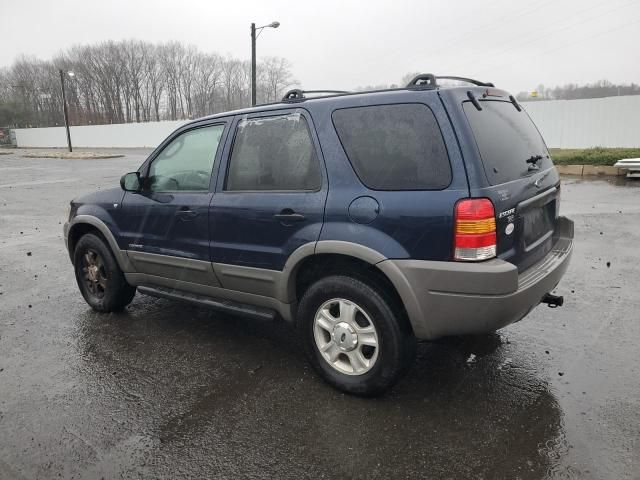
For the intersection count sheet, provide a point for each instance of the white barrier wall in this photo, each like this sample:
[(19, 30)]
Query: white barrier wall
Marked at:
[(122, 135), (605, 122), (593, 122)]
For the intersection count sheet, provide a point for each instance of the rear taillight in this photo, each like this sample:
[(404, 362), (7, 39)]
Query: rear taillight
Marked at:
[(475, 230)]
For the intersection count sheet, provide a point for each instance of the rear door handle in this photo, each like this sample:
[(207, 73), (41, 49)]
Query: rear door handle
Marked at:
[(288, 216)]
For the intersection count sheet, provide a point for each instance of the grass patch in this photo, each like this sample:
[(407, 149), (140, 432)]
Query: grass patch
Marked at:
[(592, 156)]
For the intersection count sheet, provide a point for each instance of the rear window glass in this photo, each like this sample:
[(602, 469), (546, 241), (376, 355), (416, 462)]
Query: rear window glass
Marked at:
[(506, 138), (394, 147)]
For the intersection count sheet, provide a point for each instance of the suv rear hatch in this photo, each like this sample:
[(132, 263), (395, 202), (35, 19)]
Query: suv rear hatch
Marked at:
[(523, 184)]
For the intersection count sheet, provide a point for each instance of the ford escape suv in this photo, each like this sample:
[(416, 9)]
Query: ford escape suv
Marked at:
[(367, 221)]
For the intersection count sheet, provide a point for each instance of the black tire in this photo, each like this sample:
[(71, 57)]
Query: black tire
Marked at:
[(396, 342), (110, 291)]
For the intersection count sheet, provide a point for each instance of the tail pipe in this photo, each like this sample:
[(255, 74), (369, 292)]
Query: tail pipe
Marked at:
[(553, 301)]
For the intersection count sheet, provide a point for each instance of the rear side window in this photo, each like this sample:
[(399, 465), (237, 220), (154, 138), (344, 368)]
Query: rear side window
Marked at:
[(506, 138), (394, 147), (273, 153)]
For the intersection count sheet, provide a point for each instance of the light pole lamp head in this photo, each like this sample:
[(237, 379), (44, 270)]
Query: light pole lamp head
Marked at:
[(274, 24), (71, 73)]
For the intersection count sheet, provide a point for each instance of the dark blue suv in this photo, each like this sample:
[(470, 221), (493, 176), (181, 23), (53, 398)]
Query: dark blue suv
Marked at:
[(366, 220)]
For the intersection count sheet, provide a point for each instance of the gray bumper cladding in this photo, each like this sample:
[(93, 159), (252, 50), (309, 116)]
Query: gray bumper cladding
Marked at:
[(450, 298)]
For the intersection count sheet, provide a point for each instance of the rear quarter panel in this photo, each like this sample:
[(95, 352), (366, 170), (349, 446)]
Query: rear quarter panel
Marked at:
[(409, 224)]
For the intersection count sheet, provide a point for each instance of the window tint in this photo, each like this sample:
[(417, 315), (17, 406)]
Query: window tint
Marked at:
[(506, 138), (273, 153), (394, 147), (186, 163)]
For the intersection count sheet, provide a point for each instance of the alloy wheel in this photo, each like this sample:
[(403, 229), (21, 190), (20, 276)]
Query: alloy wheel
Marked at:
[(345, 336), (95, 275)]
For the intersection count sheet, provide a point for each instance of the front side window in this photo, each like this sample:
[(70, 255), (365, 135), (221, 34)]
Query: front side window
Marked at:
[(186, 163), (273, 153), (394, 147)]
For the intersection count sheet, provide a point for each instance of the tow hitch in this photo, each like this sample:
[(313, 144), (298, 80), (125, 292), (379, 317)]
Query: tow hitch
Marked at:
[(553, 301)]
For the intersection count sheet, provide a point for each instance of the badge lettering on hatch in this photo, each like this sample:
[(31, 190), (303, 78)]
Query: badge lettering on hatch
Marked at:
[(506, 213)]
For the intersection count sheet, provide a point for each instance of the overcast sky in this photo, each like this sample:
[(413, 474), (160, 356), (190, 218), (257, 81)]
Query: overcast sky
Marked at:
[(344, 44)]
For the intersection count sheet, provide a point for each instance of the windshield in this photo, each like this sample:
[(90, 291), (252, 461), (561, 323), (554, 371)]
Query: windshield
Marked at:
[(506, 138)]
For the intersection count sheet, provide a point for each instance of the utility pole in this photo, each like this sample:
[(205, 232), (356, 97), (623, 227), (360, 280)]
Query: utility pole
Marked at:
[(253, 64), (64, 109), (254, 87)]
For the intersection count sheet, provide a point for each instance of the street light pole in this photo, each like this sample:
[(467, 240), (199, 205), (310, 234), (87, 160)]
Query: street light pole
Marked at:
[(253, 64), (253, 57), (64, 109)]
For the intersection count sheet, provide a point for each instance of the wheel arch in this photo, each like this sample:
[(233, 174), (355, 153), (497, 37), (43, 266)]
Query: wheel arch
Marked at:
[(84, 224), (330, 257)]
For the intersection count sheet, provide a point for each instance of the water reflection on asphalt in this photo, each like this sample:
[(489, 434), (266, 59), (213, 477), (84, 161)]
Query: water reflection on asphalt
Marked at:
[(234, 389)]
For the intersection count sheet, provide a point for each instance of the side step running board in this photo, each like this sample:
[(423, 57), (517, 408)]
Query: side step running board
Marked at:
[(227, 306)]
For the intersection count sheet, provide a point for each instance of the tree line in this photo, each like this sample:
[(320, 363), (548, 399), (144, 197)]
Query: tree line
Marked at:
[(573, 91), (134, 81)]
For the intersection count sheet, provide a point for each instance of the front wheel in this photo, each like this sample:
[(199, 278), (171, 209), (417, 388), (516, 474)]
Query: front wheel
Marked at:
[(99, 277), (355, 336)]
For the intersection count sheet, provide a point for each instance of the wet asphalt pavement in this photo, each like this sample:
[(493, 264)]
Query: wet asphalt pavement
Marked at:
[(165, 390)]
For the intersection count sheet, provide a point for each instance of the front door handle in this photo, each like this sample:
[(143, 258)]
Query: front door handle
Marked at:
[(185, 214), (288, 216)]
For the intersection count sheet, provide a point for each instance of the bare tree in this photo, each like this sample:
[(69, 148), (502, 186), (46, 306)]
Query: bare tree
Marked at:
[(276, 75), (134, 81), (206, 81), (230, 75)]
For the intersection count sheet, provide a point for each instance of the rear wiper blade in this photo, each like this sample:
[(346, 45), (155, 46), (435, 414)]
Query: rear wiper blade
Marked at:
[(532, 161)]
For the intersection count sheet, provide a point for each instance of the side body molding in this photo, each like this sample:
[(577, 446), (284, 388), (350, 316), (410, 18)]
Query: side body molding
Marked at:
[(266, 288), (281, 285)]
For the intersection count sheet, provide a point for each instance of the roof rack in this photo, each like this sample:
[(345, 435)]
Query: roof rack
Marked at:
[(429, 80), (422, 81), (298, 95)]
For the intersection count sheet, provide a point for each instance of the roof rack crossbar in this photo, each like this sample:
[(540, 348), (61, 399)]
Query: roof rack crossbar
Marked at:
[(297, 94), (431, 80), (468, 80)]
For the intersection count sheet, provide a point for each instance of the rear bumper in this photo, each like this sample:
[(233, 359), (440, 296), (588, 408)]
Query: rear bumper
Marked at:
[(452, 298)]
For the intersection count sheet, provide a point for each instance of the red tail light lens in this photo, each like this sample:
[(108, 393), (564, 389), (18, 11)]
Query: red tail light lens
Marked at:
[(475, 230)]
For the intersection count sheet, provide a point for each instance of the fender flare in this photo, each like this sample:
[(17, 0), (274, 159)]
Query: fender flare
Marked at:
[(286, 287), (120, 255)]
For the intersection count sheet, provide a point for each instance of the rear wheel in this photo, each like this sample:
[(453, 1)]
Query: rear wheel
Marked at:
[(99, 277), (355, 336)]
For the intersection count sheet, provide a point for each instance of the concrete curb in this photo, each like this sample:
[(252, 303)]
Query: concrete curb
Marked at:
[(72, 155), (584, 170)]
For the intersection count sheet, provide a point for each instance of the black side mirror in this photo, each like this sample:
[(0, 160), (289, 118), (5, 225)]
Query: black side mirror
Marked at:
[(130, 182)]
